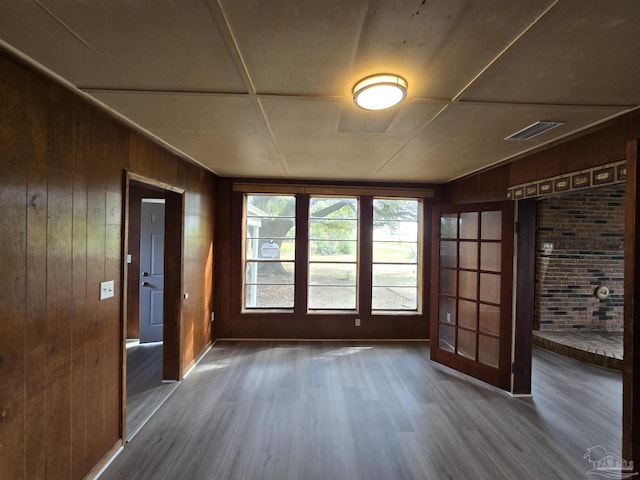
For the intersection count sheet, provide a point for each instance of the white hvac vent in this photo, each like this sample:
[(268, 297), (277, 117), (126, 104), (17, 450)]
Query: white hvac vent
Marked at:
[(533, 130)]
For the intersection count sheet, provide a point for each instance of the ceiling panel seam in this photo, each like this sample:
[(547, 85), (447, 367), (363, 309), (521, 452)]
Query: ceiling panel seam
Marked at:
[(217, 12), (67, 28), (406, 144), (505, 50), (221, 19)]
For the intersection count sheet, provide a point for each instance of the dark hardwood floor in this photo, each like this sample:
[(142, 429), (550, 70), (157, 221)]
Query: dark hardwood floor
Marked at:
[(326, 410), (145, 390)]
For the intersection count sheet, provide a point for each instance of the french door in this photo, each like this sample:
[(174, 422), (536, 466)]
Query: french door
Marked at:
[(471, 294)]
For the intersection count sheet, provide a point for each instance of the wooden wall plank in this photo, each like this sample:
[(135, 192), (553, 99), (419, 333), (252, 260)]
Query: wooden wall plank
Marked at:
[(36, 323), (80, 423), (59, 276), (223, 252), (14, 156), (96, 253)]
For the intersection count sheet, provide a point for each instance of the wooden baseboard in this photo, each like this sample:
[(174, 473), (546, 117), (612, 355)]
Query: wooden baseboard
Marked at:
[(389, 340), (105, 461)]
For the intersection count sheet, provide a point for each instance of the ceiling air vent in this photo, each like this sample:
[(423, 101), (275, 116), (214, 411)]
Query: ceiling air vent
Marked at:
[(533, 130)]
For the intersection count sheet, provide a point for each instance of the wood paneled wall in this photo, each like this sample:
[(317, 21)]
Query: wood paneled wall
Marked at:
[(597, 148), (62, 163)]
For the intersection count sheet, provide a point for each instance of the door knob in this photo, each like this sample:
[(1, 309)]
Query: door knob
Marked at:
[(145, 274), (145, 284)]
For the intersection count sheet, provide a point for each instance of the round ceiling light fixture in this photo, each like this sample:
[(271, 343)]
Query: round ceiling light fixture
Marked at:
[(380, 92)]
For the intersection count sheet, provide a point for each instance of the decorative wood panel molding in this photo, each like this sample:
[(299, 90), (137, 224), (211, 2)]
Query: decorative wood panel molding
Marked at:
[(592, 177)]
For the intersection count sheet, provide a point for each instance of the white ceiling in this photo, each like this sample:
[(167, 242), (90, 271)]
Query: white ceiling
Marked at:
[(262, 88)]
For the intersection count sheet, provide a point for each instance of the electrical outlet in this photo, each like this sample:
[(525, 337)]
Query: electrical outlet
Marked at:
[(357, 322)]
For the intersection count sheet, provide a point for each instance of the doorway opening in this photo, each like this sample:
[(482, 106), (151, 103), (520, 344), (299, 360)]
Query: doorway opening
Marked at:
[(579, 299), (153, 279)]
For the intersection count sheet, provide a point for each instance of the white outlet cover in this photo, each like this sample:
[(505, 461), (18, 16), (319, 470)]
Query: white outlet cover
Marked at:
[(107, 289)]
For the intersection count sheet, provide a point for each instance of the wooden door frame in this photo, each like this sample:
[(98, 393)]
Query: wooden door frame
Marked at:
[(630, 385), (524, 295), (173, 265)]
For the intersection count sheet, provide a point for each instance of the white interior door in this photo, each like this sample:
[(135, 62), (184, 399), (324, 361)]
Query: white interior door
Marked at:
[(151, 270)]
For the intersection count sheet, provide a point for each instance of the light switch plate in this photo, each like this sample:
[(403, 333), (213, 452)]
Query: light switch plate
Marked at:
[(107, 289)]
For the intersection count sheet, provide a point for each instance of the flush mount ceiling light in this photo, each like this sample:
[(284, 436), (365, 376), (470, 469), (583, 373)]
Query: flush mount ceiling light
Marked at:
[(379, 92)]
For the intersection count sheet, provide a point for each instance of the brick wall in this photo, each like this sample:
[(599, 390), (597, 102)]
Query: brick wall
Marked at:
[(580, 245)]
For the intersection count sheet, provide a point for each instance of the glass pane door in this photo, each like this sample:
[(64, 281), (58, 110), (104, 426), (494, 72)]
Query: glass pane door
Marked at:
[(471, 296)]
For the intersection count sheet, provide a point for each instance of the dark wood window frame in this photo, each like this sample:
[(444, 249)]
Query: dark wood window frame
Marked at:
[(303, 193)]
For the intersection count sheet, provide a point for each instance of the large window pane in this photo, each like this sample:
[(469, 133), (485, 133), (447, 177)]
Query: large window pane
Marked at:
[(269, 251), (395, 254), (332, 274), (394, 298), (398, 275), (332, 298), (333, 253), (400, 231), (325, 208), (269, 296), (275, 273), (320, 229)]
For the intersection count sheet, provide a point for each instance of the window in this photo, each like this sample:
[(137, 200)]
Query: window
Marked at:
[(395, 255), (269, 259), (330, 252), (333, 253)]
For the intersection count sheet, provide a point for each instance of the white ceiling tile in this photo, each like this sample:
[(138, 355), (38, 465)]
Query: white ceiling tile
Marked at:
[(296, 48), (224, 132), (146, 44), (583, 52)]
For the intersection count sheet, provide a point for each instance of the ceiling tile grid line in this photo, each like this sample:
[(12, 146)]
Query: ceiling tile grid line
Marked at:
[(411, 139), (505, 49), (66, 27), (217, 13)]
